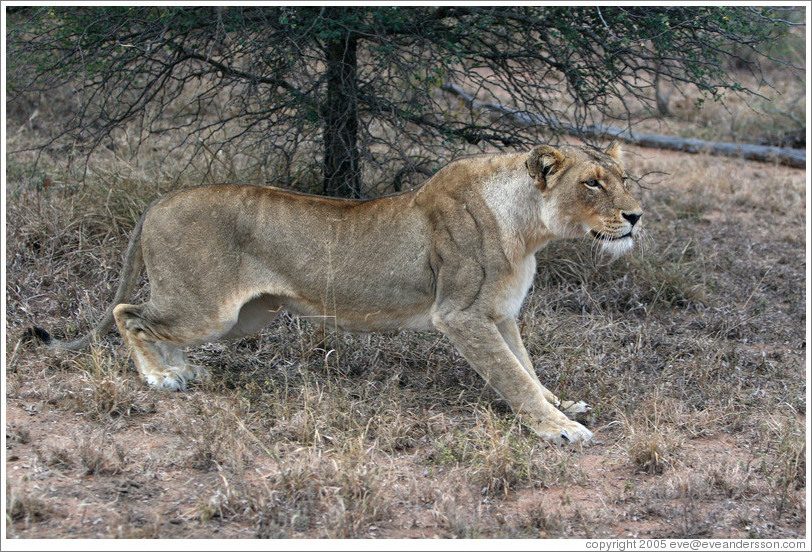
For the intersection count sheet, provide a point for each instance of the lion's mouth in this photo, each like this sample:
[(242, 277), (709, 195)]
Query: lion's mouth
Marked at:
[(603, 237)]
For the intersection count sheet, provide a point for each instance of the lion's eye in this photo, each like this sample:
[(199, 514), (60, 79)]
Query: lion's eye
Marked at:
[(594, 184)]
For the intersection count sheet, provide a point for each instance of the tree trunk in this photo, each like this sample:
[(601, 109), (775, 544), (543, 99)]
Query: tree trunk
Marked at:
[(342, 176)]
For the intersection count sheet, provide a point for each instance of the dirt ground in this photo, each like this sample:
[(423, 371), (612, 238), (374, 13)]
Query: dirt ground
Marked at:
[(608, 499)]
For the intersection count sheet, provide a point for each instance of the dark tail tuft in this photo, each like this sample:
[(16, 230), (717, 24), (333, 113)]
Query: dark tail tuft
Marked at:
[(36, 334)]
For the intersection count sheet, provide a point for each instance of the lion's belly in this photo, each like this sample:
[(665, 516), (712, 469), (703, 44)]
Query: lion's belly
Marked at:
[(363, 318)]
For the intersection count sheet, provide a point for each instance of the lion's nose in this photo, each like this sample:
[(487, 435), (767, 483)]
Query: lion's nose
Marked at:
[(632, 217)]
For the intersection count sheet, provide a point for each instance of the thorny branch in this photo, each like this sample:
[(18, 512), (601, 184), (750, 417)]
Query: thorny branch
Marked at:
[(254, 81)]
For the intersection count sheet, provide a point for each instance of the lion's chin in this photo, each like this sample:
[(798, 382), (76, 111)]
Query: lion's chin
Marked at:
[(617, 247)]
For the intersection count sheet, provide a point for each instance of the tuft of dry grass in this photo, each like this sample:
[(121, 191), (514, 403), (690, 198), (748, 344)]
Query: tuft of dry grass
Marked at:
[(544, 518), (100, 454), (653, 436), (499, 456), (213, 430), (785, 464), (732, 478), (653, 450), (24, 506), (106, 390)]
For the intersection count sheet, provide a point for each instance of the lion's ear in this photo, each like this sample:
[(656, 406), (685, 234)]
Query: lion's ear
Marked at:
[(614, 151), (543, 162)]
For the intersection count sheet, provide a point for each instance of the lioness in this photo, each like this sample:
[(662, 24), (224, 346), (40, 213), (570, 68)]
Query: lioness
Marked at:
[(456, 254)]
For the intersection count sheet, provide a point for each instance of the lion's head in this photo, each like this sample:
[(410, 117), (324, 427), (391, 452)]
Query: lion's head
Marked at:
[(585, 194)]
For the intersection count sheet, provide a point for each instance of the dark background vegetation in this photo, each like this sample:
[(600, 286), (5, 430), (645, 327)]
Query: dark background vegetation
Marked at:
[(356, 91)]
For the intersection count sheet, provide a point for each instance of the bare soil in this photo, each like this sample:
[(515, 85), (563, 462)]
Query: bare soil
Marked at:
[(143, 497)]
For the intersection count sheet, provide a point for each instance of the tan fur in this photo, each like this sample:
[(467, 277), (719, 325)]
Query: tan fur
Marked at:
[(456, 255)]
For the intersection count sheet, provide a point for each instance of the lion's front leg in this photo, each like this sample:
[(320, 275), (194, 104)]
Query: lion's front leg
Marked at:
[(479, 340), (510, 332)]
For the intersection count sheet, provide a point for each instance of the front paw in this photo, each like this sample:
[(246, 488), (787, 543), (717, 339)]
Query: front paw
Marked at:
[(568, 433), (579, 411), (166, 380)]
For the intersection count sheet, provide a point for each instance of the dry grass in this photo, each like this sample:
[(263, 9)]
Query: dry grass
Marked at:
[(691, 351), (24, 507)]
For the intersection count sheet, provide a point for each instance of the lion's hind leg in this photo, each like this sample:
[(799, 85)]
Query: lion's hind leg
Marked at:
[(161, 363)]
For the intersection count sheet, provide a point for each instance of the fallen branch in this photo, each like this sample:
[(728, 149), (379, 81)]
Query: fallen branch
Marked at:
[(786, 156)]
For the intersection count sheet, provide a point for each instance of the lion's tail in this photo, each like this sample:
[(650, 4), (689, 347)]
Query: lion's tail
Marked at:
[(133, 263)]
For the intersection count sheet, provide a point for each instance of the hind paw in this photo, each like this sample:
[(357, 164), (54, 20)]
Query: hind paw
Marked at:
[(178, 379)]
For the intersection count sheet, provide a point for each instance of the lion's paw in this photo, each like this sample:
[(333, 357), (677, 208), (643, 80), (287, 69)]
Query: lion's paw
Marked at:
[(563, 434), (169, 380), (178, 378), (195, 372), (579, 411)]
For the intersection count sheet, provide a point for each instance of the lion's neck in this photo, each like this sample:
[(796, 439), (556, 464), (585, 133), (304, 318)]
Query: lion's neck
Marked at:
[(516, 203)]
